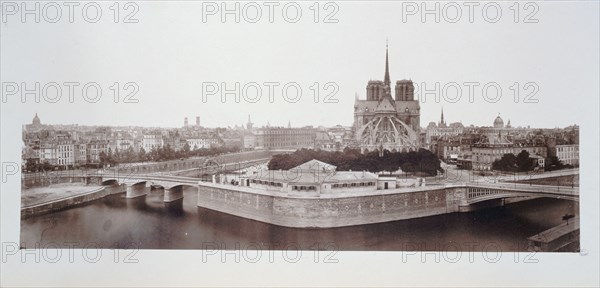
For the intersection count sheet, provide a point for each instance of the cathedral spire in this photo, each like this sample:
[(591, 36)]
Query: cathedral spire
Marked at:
[(442, 120), (249, 125), (386, 78)]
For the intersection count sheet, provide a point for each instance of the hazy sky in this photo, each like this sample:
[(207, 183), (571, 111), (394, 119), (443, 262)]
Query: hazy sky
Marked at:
[(170, 53)]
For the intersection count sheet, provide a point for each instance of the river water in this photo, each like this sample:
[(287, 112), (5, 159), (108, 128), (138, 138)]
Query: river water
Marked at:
[(149, 223)]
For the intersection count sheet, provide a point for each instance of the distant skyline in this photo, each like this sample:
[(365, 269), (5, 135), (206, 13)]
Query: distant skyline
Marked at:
[(170, 53), (258, 125)]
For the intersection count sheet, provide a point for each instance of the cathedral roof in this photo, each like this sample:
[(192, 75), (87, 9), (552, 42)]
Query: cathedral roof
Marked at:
[(386, 105)]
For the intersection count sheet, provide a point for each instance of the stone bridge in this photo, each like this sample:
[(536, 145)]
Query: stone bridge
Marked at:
[(140, 185), (479, 192)]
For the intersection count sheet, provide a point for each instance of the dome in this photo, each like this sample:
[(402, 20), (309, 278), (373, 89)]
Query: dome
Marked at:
[(36, 120), (498, 122)]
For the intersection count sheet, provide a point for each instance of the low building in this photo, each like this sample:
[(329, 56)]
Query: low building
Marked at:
[(539, 160), (315, 177)]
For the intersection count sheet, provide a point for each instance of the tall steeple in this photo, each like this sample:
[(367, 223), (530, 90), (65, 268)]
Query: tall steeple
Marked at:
[(442, 123), (442, 119), (386, 78), (249, 125)]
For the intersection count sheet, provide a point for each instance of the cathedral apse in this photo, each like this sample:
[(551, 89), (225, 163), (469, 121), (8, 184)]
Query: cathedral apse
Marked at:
[(383, 122)]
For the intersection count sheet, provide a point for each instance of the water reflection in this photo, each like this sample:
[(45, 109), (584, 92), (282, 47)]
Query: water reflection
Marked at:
[(148, 222)]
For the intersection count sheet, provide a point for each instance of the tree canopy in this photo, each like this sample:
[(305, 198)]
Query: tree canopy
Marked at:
[(511, 163), (351, 159)]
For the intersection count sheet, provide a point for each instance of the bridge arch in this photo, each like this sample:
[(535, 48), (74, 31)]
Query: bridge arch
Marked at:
[(137, 189), (175, 192), (481, 194), (110, 182)]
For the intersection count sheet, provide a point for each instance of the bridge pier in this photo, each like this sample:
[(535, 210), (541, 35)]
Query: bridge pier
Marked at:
[(137, 190), (174, 193), (157, 190)]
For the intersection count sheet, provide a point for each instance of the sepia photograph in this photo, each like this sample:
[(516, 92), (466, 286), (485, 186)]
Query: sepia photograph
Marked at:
[(308, 143)]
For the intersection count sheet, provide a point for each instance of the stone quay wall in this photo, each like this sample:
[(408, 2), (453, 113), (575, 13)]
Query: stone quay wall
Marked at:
[(68, 202), (331, 212)]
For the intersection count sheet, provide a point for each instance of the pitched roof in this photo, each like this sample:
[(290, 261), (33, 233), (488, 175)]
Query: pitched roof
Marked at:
[(386, 105), (314, 165)]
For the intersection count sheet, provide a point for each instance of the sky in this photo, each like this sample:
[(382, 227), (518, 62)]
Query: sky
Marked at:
[(172, 57)]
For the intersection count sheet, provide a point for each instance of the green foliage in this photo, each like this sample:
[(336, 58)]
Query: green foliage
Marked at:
[(159, 154), (34, 165), (508, 162), (511, 163), (553, 163), (524, 163), (351, 159)]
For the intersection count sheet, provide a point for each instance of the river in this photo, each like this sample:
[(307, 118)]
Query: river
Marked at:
[(149, 223)]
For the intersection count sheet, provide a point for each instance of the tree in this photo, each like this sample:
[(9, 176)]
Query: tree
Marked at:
[(46, 166), (351, 159), (186, 149), (524, 163), (508, 162), (31, 164), (142, 154), (103, 157)]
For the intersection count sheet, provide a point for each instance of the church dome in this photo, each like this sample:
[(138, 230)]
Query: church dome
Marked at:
[(498, 122), (36, 120)]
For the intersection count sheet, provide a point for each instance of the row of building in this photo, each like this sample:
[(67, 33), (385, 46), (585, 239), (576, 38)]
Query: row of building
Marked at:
[(478, 147), (73, 145)]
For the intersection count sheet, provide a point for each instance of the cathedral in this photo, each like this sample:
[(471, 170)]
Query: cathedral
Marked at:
[(383, 122)]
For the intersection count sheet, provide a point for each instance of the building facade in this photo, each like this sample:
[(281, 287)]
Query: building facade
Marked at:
[(150, 141), (284, 138), (568, 154), (483, 156), (315, 177)]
